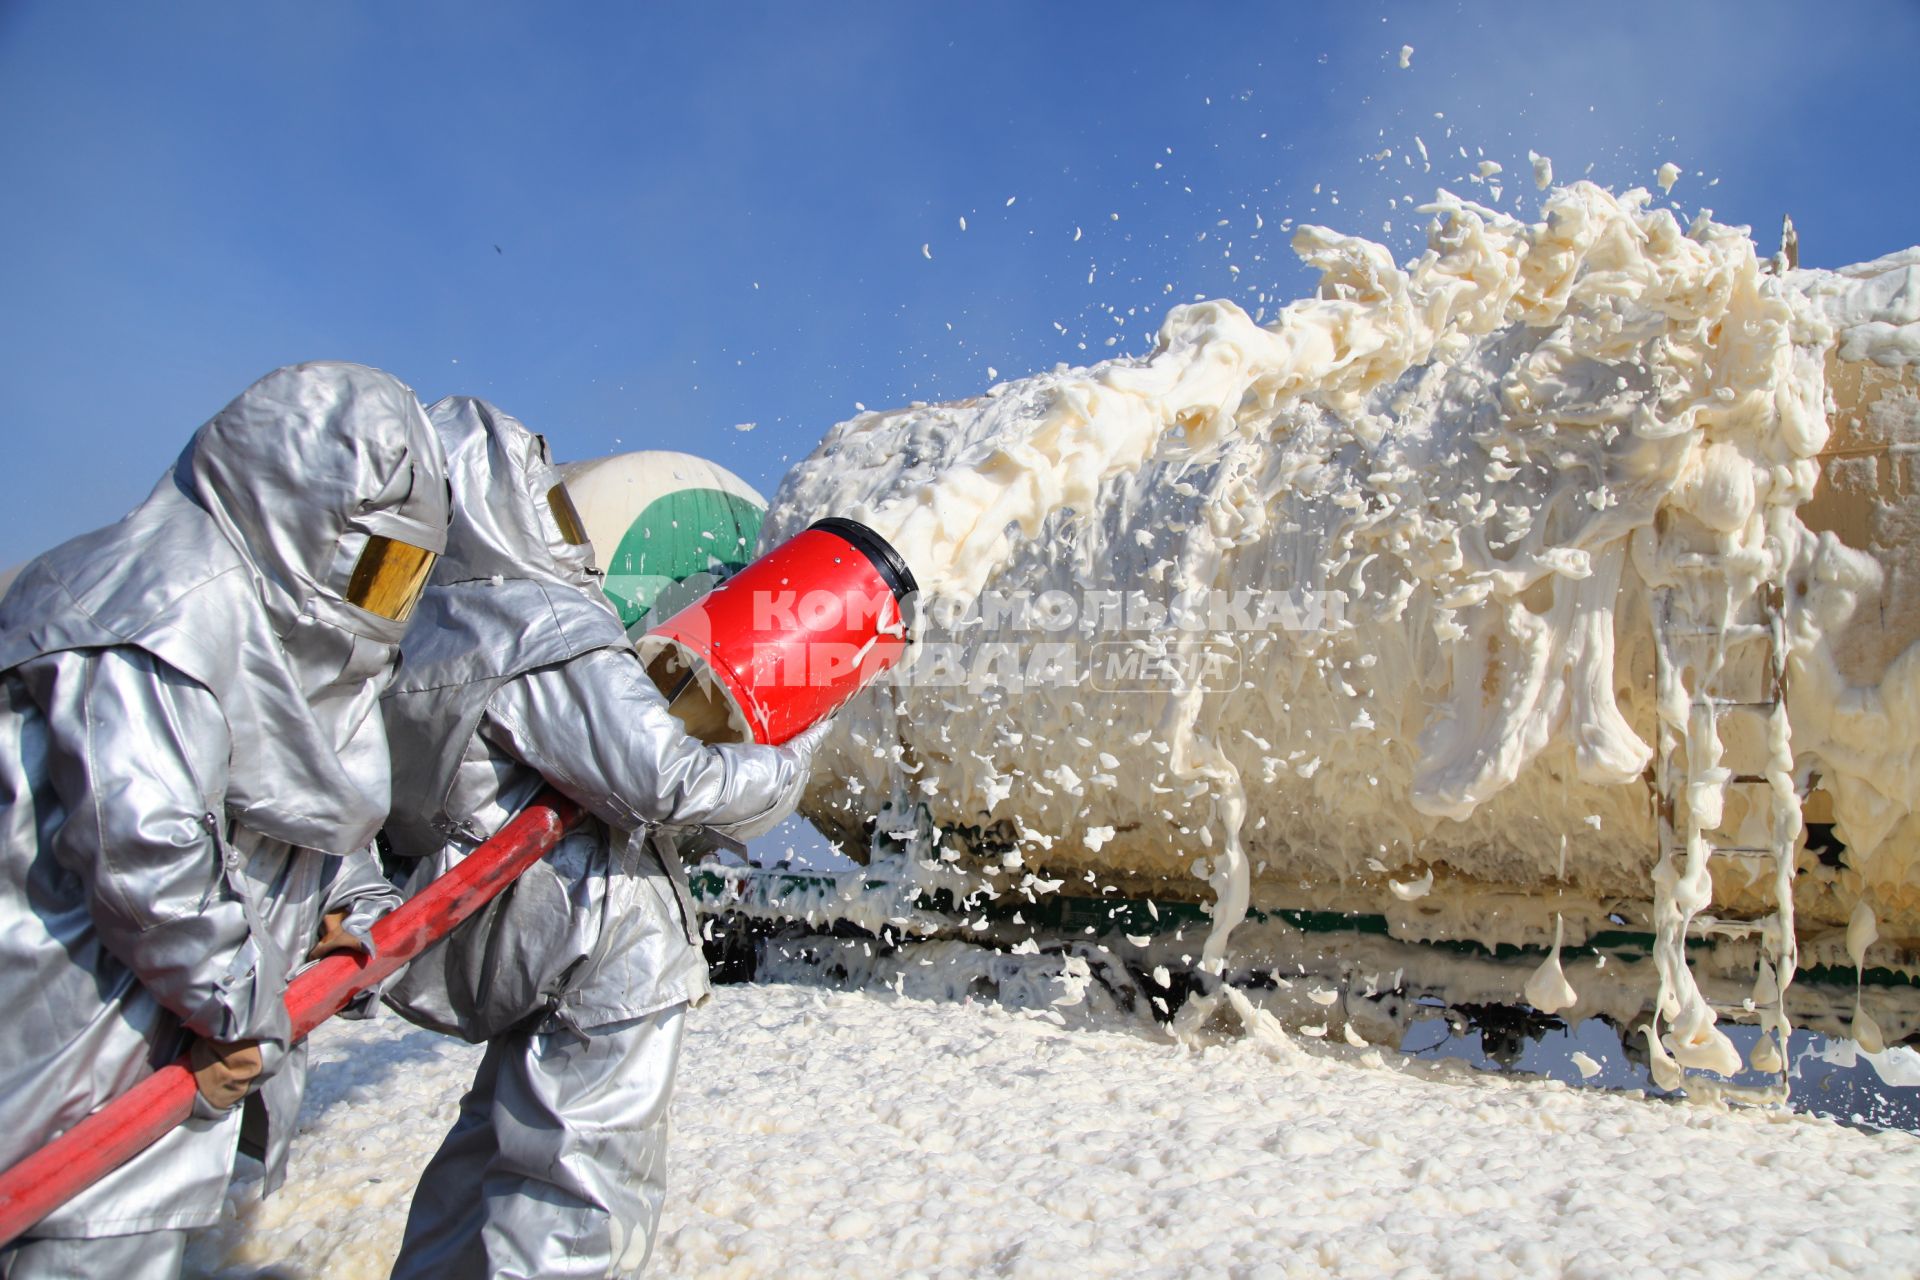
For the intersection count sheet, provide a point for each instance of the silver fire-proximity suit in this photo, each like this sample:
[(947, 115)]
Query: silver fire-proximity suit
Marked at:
[(518, 675), (191, 768)]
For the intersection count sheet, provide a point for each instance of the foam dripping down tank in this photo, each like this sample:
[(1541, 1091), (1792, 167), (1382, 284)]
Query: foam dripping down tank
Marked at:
[(786, 641)]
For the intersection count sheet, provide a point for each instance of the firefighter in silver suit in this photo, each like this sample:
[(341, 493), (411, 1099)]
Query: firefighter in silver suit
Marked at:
[(518, 675), (192, 765)]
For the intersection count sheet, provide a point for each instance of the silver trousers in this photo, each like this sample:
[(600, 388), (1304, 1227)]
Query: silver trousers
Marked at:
[(557, 1163), (144, 1255)]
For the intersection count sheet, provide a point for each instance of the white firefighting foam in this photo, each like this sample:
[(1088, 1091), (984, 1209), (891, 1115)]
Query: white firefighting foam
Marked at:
[(835, 1133), (1497, 465)]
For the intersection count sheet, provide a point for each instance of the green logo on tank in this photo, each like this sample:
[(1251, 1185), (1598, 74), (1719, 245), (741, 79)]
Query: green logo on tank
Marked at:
[(677, 549)]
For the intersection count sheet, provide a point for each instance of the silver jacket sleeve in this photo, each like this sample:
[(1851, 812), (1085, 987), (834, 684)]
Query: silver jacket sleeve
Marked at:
[(137, 755), (598, 729), (803, 747), (358, 888)]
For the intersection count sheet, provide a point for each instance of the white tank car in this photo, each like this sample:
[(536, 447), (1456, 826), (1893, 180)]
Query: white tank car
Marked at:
[(664, 526), (1623, 606)]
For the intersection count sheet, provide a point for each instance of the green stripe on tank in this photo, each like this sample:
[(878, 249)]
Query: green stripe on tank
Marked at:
[(677, 549)]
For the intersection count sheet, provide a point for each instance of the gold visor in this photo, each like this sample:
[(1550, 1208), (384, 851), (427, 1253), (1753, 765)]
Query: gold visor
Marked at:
[(566, 515), (389, 577)]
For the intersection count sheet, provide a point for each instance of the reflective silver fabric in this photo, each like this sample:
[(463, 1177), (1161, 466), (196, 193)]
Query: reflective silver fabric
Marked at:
[(518, 676), (525, 678), (155, 1255), (234, 571), (509, 595), (603, 929), (189, 770), (557, 1165)]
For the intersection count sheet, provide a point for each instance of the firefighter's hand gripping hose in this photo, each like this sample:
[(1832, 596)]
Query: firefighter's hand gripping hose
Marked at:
[(117, 1132), (223, 1070), (334, 937)]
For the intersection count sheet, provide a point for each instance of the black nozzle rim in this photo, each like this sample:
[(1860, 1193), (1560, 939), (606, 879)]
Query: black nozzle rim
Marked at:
[(887, 562)]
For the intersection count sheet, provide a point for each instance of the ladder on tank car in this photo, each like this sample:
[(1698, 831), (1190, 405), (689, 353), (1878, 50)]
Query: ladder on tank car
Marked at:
[(1715, 653)]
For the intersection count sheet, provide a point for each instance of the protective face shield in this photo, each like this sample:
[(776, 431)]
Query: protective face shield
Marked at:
[(572, 530), (330, 480), (379, 565), (564, 532), (346, 649), (390, 575)]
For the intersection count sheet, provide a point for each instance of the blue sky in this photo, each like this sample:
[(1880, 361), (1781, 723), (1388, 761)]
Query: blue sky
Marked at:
[(712, 215)]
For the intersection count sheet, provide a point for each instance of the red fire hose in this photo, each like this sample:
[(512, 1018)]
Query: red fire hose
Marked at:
[(117, 1132)]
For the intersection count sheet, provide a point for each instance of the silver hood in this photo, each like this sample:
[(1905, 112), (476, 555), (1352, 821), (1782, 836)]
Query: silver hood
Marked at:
[(510, 595), (234, 571)]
